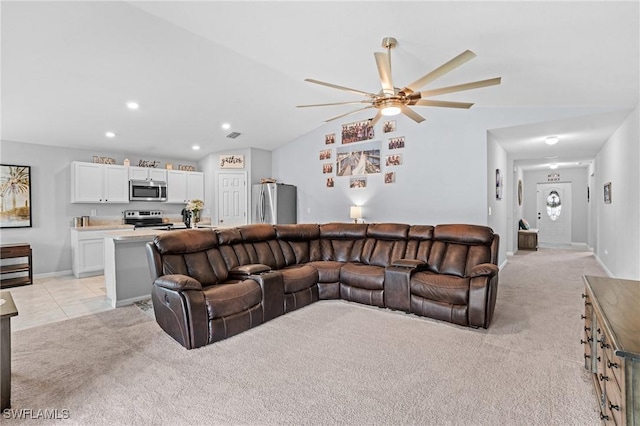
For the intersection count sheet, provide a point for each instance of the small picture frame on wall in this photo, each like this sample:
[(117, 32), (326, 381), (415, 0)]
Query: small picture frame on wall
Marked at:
[(389, 126), (330, 182), (390, 177), (329, 139), (325, 154), (327, 168), (358, 182), (607, 193), (393, 160)]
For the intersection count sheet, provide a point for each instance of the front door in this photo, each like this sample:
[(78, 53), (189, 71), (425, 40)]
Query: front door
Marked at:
[(554, 213), (232, 199)]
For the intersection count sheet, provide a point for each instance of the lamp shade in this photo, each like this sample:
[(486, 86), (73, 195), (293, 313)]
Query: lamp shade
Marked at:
[(355, 212)]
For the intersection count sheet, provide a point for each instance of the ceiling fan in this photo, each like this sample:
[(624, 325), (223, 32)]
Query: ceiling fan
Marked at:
[(392, 100)]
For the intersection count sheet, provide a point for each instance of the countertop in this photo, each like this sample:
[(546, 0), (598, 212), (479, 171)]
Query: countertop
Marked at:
[(101, 227), (141, 234)]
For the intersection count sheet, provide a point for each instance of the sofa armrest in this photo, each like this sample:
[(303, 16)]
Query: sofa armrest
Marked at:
[(484, 269), (247, 270), (409, 263), (178, 282)]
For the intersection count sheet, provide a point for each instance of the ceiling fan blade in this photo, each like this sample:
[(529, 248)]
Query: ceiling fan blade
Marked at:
[(351, 112), (440, 71), (335, 86), (412, 114), (335, 103), (383, 61), (376, 119), (444, 104), (461, 87)]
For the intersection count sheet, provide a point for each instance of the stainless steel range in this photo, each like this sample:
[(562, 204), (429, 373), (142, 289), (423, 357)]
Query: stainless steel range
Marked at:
[(146, 219)]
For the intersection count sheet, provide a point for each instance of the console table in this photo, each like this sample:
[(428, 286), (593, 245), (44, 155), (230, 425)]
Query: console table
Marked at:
[(528, 239), (7, 310), (611, 339), (17, 273)]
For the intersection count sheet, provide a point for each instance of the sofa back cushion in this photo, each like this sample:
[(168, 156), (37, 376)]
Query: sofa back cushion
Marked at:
[(300, 243), (385, 243), (419, 242), (261, 245), (458, 248), (342, 242), (192, 252)]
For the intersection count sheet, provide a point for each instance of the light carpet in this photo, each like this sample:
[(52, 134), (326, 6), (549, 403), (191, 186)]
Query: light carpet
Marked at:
[(333, 362)]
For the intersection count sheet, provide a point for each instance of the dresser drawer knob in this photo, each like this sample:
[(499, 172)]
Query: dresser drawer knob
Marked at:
[(587, 356), (612, 364), (603, 417), (583, 317), (584, 296), (582, 342), (587, 328), (605, 378), (604, 345), (614, 407)]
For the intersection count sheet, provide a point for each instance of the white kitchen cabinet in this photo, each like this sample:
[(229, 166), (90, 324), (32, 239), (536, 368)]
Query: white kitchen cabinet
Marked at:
[(87, 253), (99, 183), (147, 173), (184, 186)]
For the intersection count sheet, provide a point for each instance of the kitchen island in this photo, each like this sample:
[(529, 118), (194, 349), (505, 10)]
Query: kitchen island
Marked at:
[(126, 268)]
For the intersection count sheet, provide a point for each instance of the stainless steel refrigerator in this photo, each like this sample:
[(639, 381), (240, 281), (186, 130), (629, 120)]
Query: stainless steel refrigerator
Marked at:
[(274, 203)]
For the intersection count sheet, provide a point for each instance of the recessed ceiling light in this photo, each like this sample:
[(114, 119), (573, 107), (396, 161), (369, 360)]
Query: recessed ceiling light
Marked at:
[(553, 166), (133, 105), (226, 126), (110, 134), (551, 140), (195, 147)]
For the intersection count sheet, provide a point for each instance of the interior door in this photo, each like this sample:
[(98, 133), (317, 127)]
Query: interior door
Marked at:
[(232, 199), (554, 213)]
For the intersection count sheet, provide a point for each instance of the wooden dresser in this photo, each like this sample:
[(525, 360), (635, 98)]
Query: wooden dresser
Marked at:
[(611, 340)]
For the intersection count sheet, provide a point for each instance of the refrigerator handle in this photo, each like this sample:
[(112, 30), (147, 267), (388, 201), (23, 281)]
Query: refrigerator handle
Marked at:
[(261, 205)]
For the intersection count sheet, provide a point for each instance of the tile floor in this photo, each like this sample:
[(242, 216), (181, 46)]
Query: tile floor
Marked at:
[(54, 299)]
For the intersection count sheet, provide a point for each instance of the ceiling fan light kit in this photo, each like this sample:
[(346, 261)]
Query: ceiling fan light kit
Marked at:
[(392, 100)]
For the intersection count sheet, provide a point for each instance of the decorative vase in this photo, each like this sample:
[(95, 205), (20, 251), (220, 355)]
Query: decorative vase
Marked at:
[(195, 218)]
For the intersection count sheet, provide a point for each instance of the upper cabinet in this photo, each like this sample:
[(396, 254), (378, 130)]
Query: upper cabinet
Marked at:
[(147, 173), (99, 183), (184, 186)]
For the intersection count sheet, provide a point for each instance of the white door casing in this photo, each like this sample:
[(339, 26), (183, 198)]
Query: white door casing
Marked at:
[(232, 199), (554, 212)]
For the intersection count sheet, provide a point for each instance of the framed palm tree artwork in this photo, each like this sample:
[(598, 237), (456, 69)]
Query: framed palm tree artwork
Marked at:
[(15, 196)]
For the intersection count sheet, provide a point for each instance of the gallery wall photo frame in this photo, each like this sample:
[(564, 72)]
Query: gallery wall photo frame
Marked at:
[(15, 196), (607, 193)]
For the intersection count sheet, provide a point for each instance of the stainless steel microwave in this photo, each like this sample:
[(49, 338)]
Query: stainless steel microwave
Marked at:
[(147, 190)]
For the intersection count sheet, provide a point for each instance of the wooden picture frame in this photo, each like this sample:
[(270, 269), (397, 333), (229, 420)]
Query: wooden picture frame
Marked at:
[(15, 196), (607, 193)]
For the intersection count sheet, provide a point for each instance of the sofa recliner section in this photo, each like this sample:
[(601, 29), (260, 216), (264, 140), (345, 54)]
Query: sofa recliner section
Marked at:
[(212, 284)]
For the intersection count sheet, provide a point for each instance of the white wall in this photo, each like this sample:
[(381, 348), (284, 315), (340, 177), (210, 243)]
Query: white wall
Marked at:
[(499, 208), (52, 211), (443, 179), (618, 223), (579, 178)]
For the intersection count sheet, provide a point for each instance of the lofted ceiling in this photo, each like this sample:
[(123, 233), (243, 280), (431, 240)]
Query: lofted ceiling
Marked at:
[(68, 68)]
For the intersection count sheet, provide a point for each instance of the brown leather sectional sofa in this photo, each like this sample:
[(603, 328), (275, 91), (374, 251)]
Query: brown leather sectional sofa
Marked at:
[(212, 284)]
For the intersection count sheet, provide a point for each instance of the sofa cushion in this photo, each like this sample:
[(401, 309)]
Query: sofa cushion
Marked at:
[(298, 277), (186, 241), (362, 276), (328, 270), (231, 298), (342, 242), (442, 288)]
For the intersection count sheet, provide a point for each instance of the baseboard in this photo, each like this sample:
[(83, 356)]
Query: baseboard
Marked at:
[(606, 270), (510, 253), (126, 302), (53, 274), (503, 264)]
